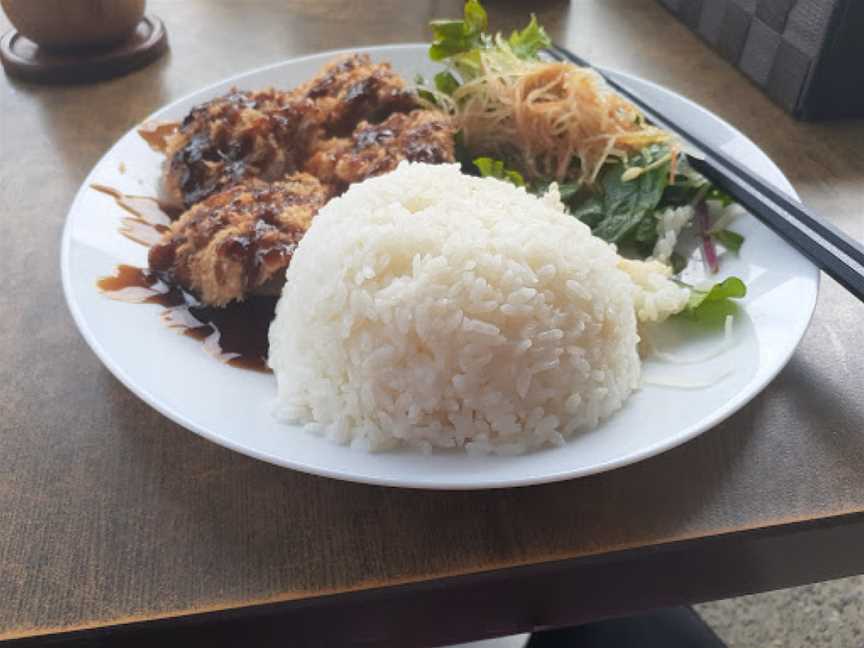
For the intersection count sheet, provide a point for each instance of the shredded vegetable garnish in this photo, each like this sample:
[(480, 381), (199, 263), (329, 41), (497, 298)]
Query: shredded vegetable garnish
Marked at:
[(675, 358), (707, 378), (660, 379), (709, 252), (549, 120)]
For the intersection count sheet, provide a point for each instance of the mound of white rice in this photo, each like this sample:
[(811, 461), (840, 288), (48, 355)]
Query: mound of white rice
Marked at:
[(435, 309)]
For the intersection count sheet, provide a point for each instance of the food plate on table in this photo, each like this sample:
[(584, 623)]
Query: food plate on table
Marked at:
[(694, 373)]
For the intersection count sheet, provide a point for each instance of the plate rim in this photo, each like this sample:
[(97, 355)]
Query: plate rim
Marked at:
[(716, 417)]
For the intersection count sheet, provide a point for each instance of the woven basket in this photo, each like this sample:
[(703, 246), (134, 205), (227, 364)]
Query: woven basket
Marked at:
[(807, 55)]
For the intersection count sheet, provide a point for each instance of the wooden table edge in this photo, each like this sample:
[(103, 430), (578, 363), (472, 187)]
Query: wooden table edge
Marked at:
[(509, 600)]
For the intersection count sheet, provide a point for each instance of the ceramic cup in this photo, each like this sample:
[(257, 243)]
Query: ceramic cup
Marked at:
[(73, 24)]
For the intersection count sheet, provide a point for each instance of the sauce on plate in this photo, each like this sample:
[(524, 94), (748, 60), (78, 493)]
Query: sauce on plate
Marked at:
[(235, 334), (148, 218)]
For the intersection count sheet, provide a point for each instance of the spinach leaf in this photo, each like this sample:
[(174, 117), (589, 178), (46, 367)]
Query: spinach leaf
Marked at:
[(567, 190), (644, 235), (678, 263), (590, 211), (687, 185), (646, 229), (626, 201), (732, 241), (679, 194)]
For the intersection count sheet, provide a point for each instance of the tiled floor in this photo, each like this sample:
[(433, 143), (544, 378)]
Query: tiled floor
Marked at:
[(827, 615)]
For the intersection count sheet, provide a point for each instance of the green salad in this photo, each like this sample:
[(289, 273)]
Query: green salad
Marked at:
[(533, 121)]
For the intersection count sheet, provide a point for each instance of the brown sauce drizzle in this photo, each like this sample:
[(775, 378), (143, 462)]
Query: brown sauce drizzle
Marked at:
[(235, 334), (148, 217)]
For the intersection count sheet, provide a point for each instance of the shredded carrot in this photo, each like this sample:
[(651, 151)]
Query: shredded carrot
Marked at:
[(549, 120)]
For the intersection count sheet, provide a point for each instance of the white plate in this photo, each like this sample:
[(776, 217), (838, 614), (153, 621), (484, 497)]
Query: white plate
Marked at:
[(232, 407)]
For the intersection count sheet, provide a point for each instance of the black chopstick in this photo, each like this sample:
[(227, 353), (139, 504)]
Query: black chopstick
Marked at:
[(774, 194), (837, 254)]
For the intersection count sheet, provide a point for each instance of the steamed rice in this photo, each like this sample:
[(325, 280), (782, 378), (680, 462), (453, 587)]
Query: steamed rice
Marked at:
[(670, 222), (433, 309)]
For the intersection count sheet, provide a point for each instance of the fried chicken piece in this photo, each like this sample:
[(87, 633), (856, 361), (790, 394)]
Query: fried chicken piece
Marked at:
[(373, 149), (240, 135), (269, 133), (238, 240), (352, 88)]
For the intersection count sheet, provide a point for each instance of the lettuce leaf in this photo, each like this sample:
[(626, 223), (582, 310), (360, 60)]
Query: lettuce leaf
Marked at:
[(423, 93), (459, 43), (475, 16), (526, 44), (446, 82), (453, 37), (730, 288), (490, 168), (713, 305)]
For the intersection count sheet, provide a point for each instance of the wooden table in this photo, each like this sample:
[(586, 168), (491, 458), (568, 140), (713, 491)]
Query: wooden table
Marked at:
[(112, 515)]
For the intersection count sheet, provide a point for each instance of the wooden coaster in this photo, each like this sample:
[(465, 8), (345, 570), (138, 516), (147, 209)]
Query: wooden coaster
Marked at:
[(24, 59)]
